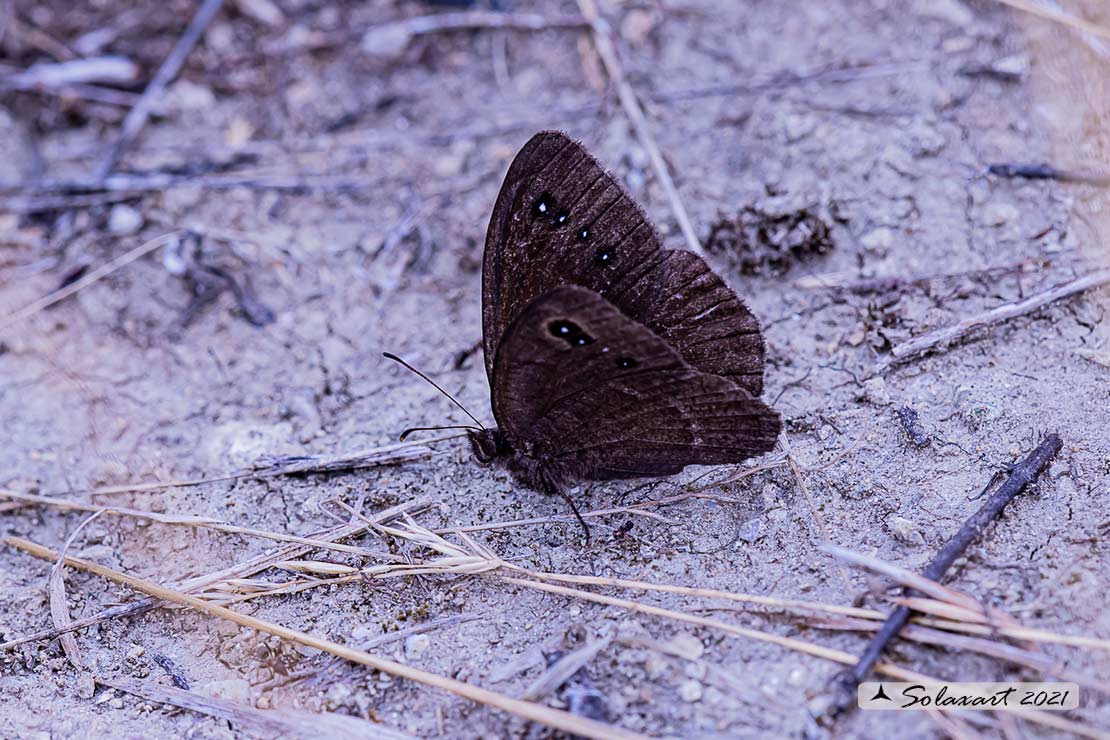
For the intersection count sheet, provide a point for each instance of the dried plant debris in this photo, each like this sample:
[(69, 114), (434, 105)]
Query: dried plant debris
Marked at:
[(207, 281), (770, 241)]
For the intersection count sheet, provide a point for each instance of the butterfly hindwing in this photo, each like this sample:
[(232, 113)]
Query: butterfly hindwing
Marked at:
[(597, 394), (561, 219)]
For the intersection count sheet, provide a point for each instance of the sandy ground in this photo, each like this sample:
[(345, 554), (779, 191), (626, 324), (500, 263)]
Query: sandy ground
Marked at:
[(752, 107)]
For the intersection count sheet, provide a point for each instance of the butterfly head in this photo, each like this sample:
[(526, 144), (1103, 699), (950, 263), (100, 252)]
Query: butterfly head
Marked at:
[(489, 445)]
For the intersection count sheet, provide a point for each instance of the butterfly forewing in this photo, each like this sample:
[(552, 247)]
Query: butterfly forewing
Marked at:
[(561, 219), (594, 393)]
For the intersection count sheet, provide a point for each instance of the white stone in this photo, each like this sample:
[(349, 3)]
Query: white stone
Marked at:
[(124, 220), (905, 531), (686, 645), (952, 11), (877, 392), (415, 645), (690, 691), (878, 240), (235, 690)]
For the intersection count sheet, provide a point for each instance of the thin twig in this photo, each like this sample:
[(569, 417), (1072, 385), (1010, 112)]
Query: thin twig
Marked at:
[(299, 465), (88, 279), (1022, 474), (137, 116), (603, 43), (381, 640), (1047, 172), (264, 723), (801, 482), (561, 671), (51, 76), (440, 22), (536, 712), (944, 337)]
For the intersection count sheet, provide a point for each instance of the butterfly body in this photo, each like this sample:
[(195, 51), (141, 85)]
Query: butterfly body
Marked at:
[(608, 355)]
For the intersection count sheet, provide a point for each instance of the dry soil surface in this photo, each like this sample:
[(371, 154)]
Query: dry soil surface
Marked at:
[(349, 187)]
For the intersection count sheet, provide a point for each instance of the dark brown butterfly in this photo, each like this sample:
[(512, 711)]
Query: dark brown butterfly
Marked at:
[(608, 356)]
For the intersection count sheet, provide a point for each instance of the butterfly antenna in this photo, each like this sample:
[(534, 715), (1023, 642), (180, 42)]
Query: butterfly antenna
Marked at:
[(429, 381), (410, 430)]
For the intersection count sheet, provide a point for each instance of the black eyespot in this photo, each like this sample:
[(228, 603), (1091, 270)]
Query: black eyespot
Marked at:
[(543, 205), (584, 234), (569, 332), (627, 363), (561, 217), (603, 256)]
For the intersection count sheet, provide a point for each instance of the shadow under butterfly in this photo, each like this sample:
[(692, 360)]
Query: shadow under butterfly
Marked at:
[(608, 355)]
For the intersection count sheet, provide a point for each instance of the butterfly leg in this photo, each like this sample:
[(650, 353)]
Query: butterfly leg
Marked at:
[(550, 487)]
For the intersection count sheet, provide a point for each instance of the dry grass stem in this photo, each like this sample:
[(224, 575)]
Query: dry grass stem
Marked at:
[(239, 570), (264, 723), (801, 481), (1058, 16), (1010, 653), (958, 618), (189, 520), (88, 279), (560, 672), (59, 605), (913, 580), (603, 44), (536, 712)]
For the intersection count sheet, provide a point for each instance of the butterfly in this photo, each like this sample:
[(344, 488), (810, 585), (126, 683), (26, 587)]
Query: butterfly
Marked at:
[(608, 356)]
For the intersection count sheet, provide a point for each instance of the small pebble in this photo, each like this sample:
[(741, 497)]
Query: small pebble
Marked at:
[(690, 691), (877, 392), (686, 645), (751, 530), (415, 645), (878, 240), (124, 220), (86, 686), (952, 11), (235, 690), (385, 41), (1016, 65), (905, 531)]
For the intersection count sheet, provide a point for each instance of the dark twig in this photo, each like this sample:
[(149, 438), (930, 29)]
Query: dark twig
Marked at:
[(1021, 475), (949, 334), (137, 116), (1047, 172)]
